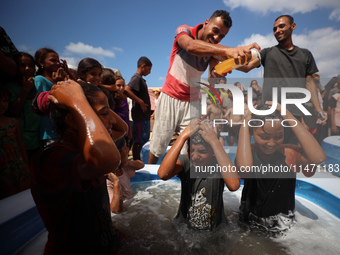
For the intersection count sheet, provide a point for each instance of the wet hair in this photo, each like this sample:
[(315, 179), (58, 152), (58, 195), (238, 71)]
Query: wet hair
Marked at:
[(274, 115), (197, 138), (120, 143), (86, 64), (224, 15), (290, 18), (40, 55), (58, 114), (142, 61)]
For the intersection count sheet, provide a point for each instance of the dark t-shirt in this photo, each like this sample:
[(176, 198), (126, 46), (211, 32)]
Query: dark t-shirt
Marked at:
[(201, 205), (286, 68), (269, 194), (140, 89)]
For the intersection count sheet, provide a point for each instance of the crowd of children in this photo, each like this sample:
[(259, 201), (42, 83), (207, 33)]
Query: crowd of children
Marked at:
[(73, 126)]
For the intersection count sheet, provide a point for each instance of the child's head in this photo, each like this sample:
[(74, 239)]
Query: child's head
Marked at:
[(223, 80), (47, 61), (25, 64), (97, 100), (156, 92), (123, 149), (108, 78), (144, 65), (253, 83), (268, 133), (120, 86), (199, 151), (120, 83), (230, 94), (4, 100), (89, 70)]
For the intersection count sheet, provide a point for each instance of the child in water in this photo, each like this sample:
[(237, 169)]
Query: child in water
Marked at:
[(268, 198), (68, 176), (201, 205), (118, 182)]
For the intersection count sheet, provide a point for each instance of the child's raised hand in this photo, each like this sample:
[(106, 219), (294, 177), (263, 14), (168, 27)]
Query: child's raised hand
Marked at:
[(113, 178), (208, 133), (59, 75), (65, 93), (278, 106), (191, 128), (64, 65)]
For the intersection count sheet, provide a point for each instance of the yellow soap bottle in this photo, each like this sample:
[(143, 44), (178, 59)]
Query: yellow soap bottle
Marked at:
[(229, 64)]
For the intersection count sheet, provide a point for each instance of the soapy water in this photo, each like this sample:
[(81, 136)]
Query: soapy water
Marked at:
[(147, 227)]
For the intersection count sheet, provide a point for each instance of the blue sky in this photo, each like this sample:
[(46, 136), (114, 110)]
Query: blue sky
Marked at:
[(118, 33)]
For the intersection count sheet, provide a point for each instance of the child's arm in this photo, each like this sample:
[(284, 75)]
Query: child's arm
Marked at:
[(170, 165), (128, 92), (312, 151), (135, 164), (332, 105), (116, 203), (334, 129), (221, 140), (99, 154), (244, 157), (208, 134), (207, 116)]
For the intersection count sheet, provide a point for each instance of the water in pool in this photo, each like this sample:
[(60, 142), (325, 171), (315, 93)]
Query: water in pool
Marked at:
[(148, 228)]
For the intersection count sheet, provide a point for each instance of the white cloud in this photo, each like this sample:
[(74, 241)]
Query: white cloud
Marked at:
[(85, 49), (289, 6), (161, 78), (335, 15), (117, 49), (323, 43)]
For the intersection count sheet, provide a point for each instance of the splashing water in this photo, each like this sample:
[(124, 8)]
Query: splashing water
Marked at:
[(147, 226)]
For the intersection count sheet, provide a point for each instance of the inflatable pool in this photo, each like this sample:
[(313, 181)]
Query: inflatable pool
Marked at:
[(331, 146), (317, 200)]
